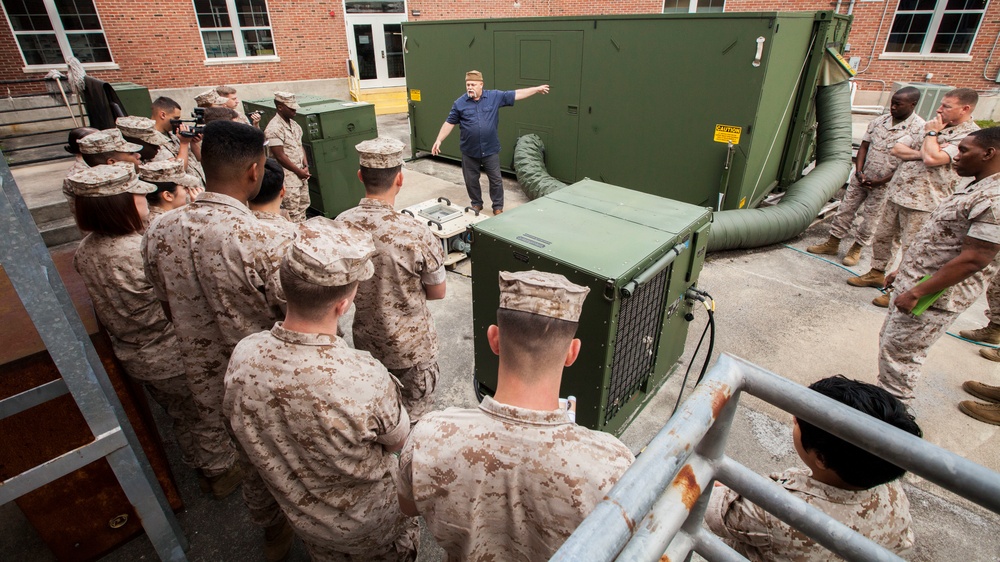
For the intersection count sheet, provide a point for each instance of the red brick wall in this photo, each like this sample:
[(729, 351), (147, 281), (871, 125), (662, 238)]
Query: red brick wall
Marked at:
[(449, 10)]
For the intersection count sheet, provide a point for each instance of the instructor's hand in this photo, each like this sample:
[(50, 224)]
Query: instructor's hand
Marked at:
[(543, 89), (436, 149)]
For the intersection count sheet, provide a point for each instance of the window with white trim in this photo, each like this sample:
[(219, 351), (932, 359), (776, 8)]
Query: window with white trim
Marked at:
[(692, 6), (234, 28), (50, 31), (935, 27)]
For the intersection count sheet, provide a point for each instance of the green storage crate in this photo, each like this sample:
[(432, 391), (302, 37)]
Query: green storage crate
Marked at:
[(930, 97), (134, 97), (330, 129), (619, 243), (646, 102)]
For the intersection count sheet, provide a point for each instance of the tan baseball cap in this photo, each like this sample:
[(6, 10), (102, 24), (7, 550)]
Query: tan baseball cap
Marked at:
[(211, 98), (108, 140), (286, 98), (142, 128), (331, 253), (546, 294), (381, 152), (108, 179), (474, 75), (168, 171)]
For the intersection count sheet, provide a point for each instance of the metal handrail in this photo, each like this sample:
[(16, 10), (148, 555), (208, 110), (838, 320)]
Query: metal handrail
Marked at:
[(657, 506)]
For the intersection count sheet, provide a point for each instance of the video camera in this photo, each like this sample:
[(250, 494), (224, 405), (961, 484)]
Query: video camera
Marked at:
[(199, 123)]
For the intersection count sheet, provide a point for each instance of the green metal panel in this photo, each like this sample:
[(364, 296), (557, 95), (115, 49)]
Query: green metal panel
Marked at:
[(602, 237), (330, 130), (134, 97), (635, 100)]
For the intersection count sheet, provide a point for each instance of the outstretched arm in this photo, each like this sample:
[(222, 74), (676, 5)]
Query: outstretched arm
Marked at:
[(528, 92), (442, 134)]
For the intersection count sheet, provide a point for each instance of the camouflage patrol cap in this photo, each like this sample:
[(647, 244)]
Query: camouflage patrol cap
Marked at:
[(287, 98), (381, 152), (538, 292), (165, 171), (473, 76), (210, 98), (142, 128), (108, 140), (108, 179), (331, 253)]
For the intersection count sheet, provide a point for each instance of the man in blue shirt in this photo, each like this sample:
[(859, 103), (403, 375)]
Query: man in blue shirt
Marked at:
[(477, 114)]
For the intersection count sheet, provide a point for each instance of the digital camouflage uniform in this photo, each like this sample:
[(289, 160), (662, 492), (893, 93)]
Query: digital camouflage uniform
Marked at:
[(288, 135), (973, 210), (993, 300), (172, 149), (914, 192), (392, 320), (216, 266), (315, 418), (861, 207), (881, 513), (506, 483), (277, 220)]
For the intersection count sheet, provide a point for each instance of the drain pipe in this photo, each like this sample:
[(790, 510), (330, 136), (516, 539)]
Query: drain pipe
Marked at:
[(747, 228)]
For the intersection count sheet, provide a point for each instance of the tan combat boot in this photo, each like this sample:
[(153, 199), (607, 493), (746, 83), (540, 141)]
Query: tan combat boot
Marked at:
[(988, 334), (987, 413), (830, 248), (853, 255), (991, 354), (982, 391), (873, 278), (881, 301), (221, 485), (278, 540)]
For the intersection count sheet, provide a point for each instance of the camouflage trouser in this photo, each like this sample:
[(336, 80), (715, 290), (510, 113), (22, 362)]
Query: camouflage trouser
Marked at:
[(418, 389), (403, 549), (264, 509), (174, 396), (896, 230), (993, 299), (903, 345), (860, 208), (296, 201), (218, 452)]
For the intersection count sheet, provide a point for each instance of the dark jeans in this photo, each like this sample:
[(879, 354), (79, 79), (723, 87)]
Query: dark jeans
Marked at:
[(470, 170)]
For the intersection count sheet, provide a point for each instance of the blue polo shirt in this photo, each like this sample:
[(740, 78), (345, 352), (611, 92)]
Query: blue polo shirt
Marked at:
[(478, 121)]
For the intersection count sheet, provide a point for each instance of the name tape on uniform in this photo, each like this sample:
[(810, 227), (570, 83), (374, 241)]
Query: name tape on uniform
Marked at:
[(728, 133)]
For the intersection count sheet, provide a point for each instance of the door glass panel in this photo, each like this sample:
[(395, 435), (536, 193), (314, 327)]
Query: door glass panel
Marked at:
[(375, 7), (394, 49), (364, 46)]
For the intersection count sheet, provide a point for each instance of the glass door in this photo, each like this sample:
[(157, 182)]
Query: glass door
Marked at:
[(375, 41)]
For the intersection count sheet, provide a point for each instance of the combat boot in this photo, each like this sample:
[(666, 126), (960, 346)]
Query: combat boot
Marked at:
[(991, 354), (982, 391), (853, 255), (874, 278), (988, 334), (988, 413), (829, 248), (278, 540), (221, 485), (881, 301)]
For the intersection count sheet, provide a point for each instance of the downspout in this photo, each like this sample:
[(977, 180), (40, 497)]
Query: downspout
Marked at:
[(748, 228)]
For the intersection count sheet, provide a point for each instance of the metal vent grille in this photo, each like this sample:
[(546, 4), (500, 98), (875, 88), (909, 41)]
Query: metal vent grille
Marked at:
[(639, 322)]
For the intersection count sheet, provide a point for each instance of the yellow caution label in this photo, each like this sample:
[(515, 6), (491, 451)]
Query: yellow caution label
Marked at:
[(727, 133), (414, 95), (743, 202)]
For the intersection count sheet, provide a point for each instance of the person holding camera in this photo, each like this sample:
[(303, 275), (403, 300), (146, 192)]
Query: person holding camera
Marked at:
[(185, 146), (284, 138)]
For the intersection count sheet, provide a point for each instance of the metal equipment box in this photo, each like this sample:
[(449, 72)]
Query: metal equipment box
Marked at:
[(330, 129), (638, 253), (639, 101), (930, 97), (134, 97)]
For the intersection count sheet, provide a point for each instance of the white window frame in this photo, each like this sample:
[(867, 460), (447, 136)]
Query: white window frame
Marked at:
[(234, 27), (61, 38), (932, 31), (693, 7)]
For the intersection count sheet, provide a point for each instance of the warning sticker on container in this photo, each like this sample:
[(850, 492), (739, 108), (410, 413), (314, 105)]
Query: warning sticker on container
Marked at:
[(414, 95), (727, 133)]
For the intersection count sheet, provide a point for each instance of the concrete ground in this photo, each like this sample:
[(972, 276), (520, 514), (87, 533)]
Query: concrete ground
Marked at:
[(778, 307)]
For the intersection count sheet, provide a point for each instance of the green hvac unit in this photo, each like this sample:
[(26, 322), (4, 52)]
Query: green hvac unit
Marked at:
[(638, 253), (134, 97), (930, 97), (330, 129), (646, 102)]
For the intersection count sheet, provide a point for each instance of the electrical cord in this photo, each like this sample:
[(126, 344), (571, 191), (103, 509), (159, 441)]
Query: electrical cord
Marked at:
[(814, 256), (709, 304)]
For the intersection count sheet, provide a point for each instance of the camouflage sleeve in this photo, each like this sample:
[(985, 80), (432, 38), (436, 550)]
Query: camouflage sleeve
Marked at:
[(150, 269), (433, 272), (391, 418), (986, 221), (404, 486), (736, 520), (867, 137)]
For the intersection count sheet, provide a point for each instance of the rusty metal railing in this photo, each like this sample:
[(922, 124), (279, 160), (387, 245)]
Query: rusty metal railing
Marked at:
[(657, 507)]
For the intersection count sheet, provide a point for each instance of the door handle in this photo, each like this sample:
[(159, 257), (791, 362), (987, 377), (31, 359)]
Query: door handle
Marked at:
[(383, 54)]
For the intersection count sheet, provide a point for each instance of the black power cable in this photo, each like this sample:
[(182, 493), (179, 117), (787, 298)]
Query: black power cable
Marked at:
[(709, 303)]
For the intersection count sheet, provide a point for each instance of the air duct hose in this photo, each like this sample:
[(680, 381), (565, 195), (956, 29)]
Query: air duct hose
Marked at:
[(748, 228)]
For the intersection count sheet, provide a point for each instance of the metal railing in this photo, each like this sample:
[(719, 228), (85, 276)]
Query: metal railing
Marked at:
[(657, 507)]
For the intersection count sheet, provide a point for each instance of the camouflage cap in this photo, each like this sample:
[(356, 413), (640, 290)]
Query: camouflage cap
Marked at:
[(286, 98), (381, 152), (168, 171), (108, 140), (331, 253), (108, 179), (142, 128), (546, 294), (210, 98), (473, 75)]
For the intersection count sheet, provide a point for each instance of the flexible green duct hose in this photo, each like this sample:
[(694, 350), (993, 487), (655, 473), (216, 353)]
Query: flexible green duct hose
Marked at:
[(747, 228)]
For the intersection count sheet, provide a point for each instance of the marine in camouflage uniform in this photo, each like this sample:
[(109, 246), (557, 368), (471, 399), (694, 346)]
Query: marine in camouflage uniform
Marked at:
[(319, 420), (392, 320), (881, 513), (506, 482), (277, 220), (284, 133)]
